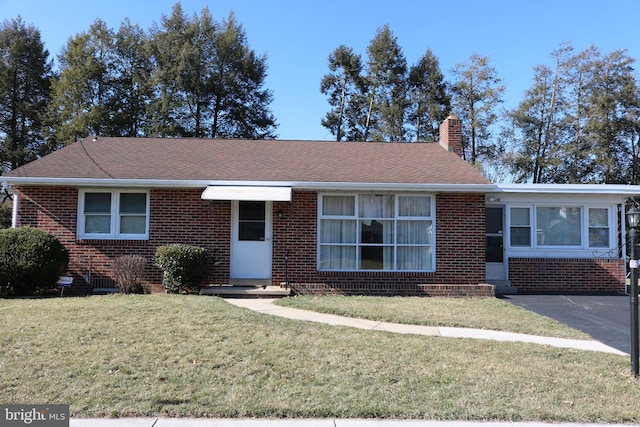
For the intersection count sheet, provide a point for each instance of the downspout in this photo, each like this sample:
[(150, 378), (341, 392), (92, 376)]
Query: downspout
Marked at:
[(14, 214)]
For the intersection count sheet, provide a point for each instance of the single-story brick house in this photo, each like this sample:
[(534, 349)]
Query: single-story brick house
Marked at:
[(320, 216)]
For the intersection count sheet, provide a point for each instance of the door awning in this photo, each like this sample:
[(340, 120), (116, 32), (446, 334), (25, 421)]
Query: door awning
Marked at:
[(242, 192)]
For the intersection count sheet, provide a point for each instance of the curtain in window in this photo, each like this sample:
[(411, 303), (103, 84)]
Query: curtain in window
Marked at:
[(414, 206), (339, 205), (337, 257), (414, 258), (414, 232), (341, 232), (373, 232), (376, 206)]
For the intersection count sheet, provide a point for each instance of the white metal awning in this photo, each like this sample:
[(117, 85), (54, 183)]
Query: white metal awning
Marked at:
[(241, 192)]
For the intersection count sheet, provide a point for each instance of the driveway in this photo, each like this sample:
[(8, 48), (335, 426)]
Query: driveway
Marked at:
[(605, 318)]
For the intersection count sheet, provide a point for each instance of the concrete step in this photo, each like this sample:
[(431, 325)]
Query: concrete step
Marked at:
[(246, 291), (503, 287)]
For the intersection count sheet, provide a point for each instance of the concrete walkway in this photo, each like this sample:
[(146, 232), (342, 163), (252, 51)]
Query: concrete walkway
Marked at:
[(267, 306), (329, 422)]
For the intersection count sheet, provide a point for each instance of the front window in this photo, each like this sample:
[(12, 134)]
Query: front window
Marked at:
[(598, 228), (558, 226), (373, 232), (546, 226), (113, 214), (520, 227)]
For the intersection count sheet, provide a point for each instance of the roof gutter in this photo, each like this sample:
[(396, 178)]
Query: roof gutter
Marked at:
[(617, 189), (299, 185)]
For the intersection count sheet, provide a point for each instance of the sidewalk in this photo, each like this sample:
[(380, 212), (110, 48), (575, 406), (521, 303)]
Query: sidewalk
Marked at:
[(267, 306), (192, 422)]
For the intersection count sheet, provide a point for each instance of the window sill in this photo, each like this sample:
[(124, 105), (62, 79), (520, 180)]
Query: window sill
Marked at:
[(112, 242)]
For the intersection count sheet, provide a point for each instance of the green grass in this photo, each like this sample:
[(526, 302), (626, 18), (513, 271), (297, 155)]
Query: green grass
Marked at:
[(172, 355), (480, 313)]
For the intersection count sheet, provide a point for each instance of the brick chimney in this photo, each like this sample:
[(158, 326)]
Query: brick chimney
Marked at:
[(451, 134)]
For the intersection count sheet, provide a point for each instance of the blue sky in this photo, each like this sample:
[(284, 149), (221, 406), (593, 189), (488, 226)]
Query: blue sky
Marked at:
[(298, 35)]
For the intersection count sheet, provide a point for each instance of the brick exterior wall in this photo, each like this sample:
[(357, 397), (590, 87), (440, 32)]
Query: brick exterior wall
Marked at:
[(554, 275), (176, 216), (460, 265), (181, 216)]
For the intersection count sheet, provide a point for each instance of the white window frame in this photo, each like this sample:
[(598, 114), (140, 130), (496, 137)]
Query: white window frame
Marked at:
[(114, 234), (584, 228), (395, 219)]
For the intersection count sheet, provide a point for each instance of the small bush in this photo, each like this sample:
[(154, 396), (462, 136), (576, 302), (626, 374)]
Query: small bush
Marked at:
[(30, 258), (184, 266), (5, 214), (128, 271)]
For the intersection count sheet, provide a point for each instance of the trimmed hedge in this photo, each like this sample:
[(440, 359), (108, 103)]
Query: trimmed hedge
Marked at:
[(184, 266), (30, 259)]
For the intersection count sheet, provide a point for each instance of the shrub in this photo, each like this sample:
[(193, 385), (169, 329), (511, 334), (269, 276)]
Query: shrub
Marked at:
[(5, 214), (128, 271), (184, 266), (30, 258)]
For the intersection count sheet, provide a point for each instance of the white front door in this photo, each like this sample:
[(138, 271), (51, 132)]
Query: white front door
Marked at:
[(251, 239)]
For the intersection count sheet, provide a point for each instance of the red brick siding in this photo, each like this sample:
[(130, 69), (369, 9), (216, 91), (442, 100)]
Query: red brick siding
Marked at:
[(176, 216), (451, 134), (532, 275), (459, 252), (181, 216)]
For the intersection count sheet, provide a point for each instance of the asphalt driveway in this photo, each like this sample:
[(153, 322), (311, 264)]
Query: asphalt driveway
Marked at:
[(604, 317)]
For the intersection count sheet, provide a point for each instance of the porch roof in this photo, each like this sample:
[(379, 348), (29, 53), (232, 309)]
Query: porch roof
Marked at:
[(594, 189), (246, 192)]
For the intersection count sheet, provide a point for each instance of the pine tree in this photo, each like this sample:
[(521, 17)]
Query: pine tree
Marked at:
[(240, 106), (387, 84), (209, 82), (540, 124), (83, 94), (133, 88), (430, 101), (476, 94), (342, 86), (25, 73)]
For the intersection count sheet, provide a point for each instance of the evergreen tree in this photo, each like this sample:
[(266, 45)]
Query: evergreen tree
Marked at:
[(430, 101), (614, 100), (169, 40), (342, 86), (577, 149), (539, 124), (84, 93), (387, 89), (476, 94), (133, 88), (208, 81), (240, 106), (25, 73)]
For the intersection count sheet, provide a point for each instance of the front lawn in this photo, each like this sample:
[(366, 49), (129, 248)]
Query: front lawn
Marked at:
[(480, 313), (172, 355)]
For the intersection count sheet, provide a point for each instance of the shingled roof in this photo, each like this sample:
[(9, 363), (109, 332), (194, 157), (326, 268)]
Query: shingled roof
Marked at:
[(187, 159)]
